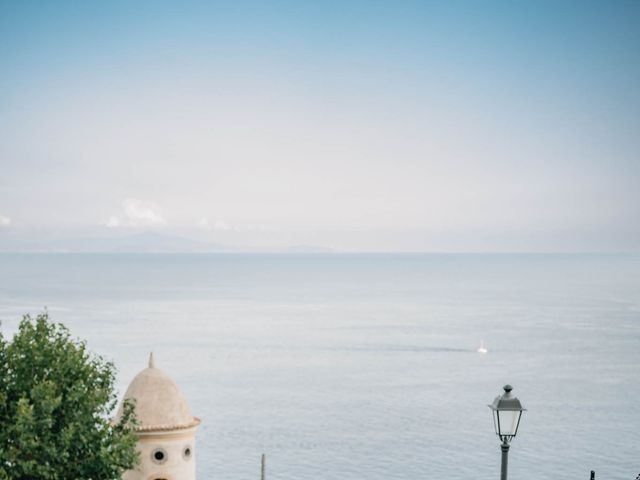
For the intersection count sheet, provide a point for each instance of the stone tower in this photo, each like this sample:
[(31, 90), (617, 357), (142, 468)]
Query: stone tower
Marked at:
[(166, 431)]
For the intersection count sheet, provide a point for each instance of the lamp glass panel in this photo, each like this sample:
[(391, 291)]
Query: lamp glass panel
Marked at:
[(508, 422), (495, 421)]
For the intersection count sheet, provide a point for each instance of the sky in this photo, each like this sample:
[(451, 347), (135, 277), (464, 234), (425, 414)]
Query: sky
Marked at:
[(352, 125)]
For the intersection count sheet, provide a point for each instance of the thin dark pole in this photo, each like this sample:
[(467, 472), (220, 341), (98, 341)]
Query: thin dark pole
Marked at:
[(505, 459), (593, 475), (262, 467)]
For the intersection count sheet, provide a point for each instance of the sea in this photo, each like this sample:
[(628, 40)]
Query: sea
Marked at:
[(366, 366)]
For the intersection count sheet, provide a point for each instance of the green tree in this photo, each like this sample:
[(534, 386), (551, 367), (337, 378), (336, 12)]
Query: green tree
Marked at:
[(56, 399)]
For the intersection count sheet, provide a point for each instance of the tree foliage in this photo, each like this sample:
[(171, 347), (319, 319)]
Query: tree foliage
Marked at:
[(56, 399)]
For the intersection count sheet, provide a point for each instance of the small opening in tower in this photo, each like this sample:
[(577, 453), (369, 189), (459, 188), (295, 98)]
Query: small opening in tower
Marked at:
[(186, 453), (159, 455)]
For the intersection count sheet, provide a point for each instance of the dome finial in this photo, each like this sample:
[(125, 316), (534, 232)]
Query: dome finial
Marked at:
[(152, 363)]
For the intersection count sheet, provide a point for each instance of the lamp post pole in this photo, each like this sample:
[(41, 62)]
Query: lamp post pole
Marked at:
[(505, 460)]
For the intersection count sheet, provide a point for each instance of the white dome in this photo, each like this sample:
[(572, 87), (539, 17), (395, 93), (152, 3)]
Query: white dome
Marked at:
[(159, 405)]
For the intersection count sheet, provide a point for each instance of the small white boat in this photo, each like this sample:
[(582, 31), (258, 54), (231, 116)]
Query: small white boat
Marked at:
[(481, 348)]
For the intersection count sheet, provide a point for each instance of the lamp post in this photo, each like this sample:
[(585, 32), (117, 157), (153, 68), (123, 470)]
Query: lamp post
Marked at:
[(507, 411)]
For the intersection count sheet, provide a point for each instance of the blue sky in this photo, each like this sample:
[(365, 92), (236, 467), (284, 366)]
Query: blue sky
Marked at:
[(353, 125)]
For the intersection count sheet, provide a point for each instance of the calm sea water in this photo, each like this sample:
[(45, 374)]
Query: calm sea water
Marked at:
[(365, 366)]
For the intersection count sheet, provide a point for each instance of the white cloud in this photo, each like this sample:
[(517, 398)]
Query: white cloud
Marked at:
[(4, 221), (221, 225), (113, 222), (140, 213), (137, 213), (204, 224)]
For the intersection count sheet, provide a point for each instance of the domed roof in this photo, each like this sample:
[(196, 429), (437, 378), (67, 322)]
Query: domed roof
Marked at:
[(159, 405)]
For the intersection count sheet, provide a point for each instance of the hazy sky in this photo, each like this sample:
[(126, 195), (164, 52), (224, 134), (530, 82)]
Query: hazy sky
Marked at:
[(366, 125)]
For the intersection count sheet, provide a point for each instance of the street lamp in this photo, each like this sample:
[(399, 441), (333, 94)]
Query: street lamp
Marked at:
[(507, 411)]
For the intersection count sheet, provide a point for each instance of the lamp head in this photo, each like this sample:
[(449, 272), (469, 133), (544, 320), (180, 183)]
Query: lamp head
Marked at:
[(507, 410)]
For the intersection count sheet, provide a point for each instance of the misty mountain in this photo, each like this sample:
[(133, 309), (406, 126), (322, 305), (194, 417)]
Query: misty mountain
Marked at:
[(146, 242)]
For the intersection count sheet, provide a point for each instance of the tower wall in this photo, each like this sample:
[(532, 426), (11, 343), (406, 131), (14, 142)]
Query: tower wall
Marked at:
[(177, 449)]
